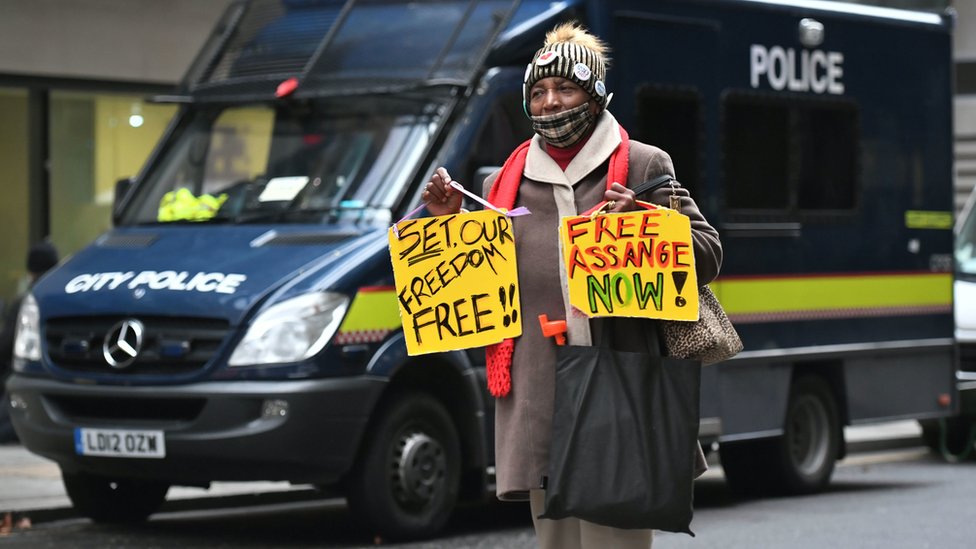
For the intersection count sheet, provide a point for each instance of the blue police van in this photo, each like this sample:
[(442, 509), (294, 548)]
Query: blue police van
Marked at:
[(239, 322)]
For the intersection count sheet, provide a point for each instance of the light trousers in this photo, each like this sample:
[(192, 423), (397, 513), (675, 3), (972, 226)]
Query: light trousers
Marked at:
[(572, 533)]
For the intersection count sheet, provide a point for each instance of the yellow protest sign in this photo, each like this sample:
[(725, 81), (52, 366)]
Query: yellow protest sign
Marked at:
[(637, 264), (456, 281)]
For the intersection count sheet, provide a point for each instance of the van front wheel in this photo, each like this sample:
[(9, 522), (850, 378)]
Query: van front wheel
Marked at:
[(406, 484), (113, 500)]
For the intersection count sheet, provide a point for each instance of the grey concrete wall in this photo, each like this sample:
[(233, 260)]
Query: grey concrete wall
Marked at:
[(128, 40), (964, 43), (964, 40)]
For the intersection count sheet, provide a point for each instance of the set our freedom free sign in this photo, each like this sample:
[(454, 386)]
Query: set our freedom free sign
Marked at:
[(635, 264), (456, 281)]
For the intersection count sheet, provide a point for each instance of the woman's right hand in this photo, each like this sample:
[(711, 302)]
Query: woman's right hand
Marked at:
[(441, 198)]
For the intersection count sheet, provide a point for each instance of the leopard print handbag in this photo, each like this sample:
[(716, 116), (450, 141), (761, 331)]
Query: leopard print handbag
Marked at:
[(711, 339)]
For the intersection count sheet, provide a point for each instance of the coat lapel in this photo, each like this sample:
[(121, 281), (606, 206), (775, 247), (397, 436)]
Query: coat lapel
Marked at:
[(596, 151)]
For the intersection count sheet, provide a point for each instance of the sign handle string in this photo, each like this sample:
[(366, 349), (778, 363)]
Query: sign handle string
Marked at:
[(521, 210)]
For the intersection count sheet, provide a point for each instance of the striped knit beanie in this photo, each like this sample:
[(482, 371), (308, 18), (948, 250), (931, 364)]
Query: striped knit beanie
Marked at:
[(574, 54)]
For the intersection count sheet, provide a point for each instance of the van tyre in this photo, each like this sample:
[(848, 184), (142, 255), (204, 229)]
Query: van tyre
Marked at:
[(407, 480), (113, 500), (801, 461)]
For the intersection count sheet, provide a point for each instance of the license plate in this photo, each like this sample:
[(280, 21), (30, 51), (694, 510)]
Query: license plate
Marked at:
[(120, 443)]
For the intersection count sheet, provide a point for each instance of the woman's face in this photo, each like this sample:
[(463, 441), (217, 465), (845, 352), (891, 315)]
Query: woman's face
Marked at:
[(556, 94)]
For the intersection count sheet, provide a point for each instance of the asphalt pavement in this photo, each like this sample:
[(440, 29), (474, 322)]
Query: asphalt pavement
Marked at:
[(31, 489)]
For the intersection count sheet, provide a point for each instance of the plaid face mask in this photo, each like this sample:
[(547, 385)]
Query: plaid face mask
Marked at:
[(563, 129)]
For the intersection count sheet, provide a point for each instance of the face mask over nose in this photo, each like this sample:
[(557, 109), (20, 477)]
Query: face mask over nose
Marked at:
[(564, 129)]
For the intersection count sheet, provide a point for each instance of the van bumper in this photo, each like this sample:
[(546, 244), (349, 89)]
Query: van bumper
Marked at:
[(212, 430)]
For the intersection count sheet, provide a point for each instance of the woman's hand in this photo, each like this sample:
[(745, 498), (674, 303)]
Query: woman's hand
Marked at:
[(620, 198), (441, 198)]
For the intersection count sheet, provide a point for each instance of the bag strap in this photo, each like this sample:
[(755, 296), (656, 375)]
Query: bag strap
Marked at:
[(601, 207), (674, 200), (653, 184)]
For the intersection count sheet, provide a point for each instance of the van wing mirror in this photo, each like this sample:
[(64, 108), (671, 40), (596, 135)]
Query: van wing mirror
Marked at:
[(122, 188)]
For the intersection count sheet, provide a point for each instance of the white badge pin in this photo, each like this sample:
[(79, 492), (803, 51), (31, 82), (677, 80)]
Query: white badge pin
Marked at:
[(600, 88), (581, 71), (546, 58), (528, 71)]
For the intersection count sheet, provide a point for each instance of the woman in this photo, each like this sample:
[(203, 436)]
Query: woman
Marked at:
[(563, 171)]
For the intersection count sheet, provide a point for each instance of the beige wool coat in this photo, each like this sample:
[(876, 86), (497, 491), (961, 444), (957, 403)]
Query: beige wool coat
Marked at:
[(523, 418)]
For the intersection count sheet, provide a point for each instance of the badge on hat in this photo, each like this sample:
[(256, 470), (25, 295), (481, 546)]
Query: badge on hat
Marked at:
[(600, 88), (582, 72), (546, 58)]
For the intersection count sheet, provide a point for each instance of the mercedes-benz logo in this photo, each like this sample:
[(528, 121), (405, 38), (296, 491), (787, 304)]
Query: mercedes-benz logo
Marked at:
[(123, 343)]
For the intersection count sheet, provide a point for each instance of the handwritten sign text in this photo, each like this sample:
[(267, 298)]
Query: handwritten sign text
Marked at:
[(456, 281), (637, 264)]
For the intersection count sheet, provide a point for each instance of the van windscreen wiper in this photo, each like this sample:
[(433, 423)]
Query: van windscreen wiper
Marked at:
[(315, 215)]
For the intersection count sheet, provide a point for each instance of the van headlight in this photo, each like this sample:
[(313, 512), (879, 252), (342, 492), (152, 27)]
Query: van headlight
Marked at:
[(292, 330), (27, 338)]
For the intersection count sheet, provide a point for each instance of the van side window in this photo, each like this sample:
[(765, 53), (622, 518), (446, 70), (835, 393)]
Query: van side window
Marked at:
[(671, 118), (504, 128), (793, 157)]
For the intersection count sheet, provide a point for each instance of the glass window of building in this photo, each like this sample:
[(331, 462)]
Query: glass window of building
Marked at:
[(96, 139), (14, 182)]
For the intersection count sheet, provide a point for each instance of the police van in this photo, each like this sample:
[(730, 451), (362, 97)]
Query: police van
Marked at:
[(239, 321)]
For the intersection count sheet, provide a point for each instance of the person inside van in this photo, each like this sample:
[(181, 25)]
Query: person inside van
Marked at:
[(41, 257), (562, 171)]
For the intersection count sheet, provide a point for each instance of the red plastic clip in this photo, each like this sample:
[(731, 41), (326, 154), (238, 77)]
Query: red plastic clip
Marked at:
[(552, 328)]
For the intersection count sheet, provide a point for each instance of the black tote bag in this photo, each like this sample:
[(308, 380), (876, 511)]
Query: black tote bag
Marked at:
[(624, 439)]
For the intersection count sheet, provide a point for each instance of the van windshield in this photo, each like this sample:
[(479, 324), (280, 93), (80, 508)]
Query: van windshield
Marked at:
[(305, 162), (966, 246)]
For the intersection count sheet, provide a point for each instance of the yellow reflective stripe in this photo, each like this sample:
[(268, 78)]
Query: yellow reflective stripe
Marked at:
[(751, 295), (373, 308), (920, 219)]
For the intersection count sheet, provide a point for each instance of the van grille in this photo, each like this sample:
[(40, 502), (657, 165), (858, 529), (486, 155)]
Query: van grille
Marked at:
[(170, 345), (77, 408)]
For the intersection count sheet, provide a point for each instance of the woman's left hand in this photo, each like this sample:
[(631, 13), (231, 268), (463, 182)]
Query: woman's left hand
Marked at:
[(620, 198)]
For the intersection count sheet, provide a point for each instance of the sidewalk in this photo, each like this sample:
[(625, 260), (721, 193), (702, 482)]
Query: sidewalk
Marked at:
[(30, 486)]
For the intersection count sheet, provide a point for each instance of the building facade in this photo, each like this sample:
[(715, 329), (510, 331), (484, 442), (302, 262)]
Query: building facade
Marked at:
[(965, 113)]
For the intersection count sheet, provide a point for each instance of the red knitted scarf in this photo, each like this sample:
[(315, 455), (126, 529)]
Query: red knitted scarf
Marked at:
[(502, 195)]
